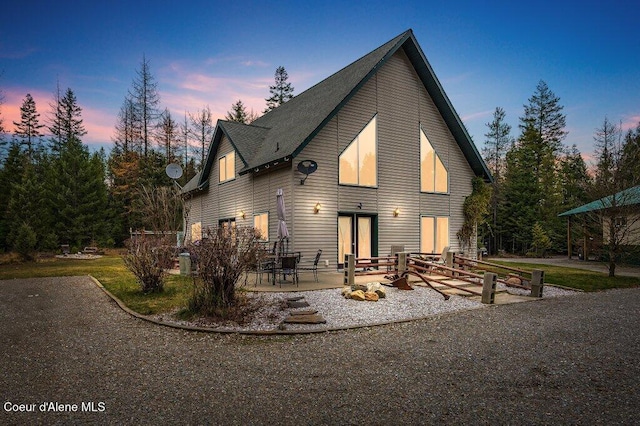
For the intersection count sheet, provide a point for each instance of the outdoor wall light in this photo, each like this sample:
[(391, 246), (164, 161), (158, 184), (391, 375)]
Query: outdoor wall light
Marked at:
[(243, 214), (396, 212), (316, 208)]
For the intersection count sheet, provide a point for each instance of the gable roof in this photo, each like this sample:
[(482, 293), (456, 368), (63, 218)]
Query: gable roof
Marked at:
[(281, 134), (627, 197)]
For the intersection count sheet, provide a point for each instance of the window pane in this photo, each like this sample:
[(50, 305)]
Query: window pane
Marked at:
[(344, 237), (349, 164), (364, 237), (442, 234), (231, 165), (426, 235), (427, 168), (261, 223), (367, 155), (223, 169), (441, 177)]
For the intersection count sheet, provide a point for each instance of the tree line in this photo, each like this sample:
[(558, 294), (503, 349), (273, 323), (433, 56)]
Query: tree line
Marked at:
[(55, 191), (537, 177)]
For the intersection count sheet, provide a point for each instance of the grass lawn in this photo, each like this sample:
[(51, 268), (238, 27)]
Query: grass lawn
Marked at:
[(576, 278), (113, 275)]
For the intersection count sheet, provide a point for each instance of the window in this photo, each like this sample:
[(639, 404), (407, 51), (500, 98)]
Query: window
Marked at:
[(261, 223), (196, 231), (358, 162), (433, 174), (227, 167), (434, 234)]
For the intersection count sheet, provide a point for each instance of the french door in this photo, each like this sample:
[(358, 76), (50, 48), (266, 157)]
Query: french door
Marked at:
[(357, 234)]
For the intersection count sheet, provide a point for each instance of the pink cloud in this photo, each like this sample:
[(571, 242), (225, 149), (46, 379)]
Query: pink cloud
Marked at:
[(630, 122)]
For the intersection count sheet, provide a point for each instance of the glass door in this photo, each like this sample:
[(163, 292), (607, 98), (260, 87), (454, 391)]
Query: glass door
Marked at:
[(356, 234)]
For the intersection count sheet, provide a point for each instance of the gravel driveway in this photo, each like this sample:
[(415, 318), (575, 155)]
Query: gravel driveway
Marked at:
[(566, 360)]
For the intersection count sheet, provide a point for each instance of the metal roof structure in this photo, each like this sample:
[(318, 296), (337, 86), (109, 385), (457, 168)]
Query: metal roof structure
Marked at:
[(281, 134), (627, 197)]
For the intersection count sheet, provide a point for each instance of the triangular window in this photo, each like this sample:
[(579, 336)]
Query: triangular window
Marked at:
[(359, 161), (434, 176)]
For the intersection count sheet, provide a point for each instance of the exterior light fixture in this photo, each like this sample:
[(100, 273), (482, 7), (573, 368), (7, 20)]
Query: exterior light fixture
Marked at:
[(316, 208), (243, 214), (396, 212)]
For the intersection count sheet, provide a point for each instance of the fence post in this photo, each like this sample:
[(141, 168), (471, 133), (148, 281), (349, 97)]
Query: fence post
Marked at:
[(489, 288), (537, 282), (449, 259), (349, 269), (402, 262)]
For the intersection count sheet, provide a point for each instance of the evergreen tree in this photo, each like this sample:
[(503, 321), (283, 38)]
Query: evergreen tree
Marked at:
[(522, 193), (26, 207), (281, 91), (28, 128), (630, 166), (238, 113), (3, 141), (66, 126), (574, 179), (544, 113), (145, 97), (78, 195), (497, 143), (10, 176)]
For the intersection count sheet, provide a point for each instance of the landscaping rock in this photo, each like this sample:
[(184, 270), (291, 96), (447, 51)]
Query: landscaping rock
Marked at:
[(358, 295), (514, 280), (371, 296), (297, 304), (305, 319), (346, 291), (356, 287), (304, 312)]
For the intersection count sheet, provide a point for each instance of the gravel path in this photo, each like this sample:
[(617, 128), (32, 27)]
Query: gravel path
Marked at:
[(562, 360)]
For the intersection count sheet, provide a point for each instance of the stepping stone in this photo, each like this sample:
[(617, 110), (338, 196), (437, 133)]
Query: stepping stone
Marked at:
[(304, 312), (305, 319), (294, 298), (297, 304)]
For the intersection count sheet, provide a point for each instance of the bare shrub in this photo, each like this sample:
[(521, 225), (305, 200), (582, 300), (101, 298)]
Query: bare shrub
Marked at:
[(148, 259), (221, 257)]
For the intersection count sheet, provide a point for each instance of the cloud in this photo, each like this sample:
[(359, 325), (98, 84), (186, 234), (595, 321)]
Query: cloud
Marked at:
[(17, 54), (630, 122), (476, 115)]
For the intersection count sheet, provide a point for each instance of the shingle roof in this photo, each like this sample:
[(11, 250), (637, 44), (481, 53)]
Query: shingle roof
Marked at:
[(627, 197), (282, 133)]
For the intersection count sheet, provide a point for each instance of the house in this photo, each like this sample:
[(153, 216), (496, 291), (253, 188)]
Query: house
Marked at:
[(622, 207), (374, 156)]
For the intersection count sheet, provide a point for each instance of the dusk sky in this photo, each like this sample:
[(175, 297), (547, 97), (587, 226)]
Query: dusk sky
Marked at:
[(485, 54)]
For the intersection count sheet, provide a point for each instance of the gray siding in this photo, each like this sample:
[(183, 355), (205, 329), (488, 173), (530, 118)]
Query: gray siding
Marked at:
[(402, 104)]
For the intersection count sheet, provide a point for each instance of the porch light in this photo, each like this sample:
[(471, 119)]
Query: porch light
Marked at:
[(243, 214), (316, 208), (396, 212)]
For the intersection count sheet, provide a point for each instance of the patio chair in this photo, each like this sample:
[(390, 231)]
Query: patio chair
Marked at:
[(289, 266), (314, 267)]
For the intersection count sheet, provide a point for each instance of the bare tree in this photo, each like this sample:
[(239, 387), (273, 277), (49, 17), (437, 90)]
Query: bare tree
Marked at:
[(145, 97), (167, 135), (618, 195), (202, 130)]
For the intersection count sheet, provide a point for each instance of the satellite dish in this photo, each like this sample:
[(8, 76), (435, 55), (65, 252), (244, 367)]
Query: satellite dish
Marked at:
[(306, 167), (174, 171)]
